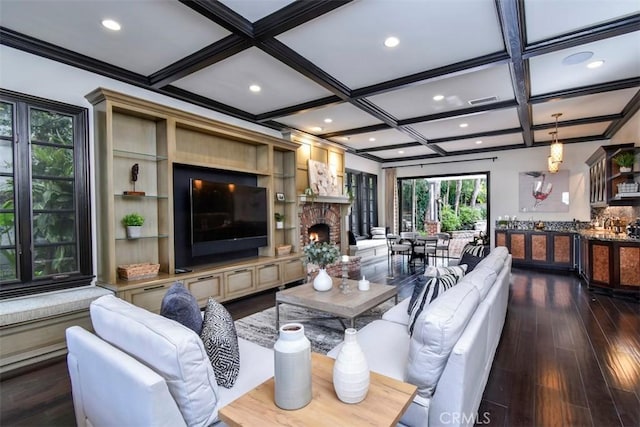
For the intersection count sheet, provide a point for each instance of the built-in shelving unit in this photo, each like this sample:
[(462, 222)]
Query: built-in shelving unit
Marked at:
[(132, 131), (605, 175)]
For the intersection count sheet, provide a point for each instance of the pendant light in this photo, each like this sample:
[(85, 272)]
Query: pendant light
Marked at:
[(556, 147), (552, 166)]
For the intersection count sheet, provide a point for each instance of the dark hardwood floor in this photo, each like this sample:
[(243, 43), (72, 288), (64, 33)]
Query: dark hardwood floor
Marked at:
[(567, 357)]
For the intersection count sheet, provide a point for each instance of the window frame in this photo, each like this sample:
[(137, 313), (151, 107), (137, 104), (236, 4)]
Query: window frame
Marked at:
[(364, 209), (26, 283)]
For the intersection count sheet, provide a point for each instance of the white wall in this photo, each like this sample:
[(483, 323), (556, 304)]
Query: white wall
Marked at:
[(630, 132)]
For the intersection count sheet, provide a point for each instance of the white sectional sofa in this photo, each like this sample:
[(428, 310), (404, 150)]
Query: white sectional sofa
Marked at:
[(450, 354), (141, 369)]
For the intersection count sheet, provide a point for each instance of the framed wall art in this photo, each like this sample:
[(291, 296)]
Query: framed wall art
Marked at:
[(541, 191)]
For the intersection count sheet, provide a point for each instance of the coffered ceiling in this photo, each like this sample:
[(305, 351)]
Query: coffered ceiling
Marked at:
[(501, 68)]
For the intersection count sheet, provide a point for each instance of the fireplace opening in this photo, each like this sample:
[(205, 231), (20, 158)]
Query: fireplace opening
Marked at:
[(319, 233)]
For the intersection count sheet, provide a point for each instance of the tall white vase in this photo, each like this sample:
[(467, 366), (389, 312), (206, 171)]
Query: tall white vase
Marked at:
[(323, 281), (292, 373), (351, 371)]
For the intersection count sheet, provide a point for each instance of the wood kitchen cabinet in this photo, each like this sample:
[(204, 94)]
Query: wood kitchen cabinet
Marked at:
[(605, 175), (544, 249)]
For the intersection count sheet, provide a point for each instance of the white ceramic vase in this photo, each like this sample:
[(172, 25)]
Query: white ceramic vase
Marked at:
[(292, 369), (351, 371), (625, 169), (323, 281)]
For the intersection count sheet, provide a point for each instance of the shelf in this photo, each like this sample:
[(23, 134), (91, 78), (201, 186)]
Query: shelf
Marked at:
[(146, 196), (159, 236), (631, 175), (286, 202), (136, 155)]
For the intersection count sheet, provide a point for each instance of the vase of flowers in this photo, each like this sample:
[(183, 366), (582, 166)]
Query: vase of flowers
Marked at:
[(322, 254)]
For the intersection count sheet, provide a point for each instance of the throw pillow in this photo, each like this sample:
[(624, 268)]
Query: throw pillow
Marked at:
[(178, 304), (435, 287), (458, 271), (221, 343), (472, 255)]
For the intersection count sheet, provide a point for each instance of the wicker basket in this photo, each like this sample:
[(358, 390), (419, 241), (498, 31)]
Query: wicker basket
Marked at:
[(283, 250), (628, 187), (138, 271)]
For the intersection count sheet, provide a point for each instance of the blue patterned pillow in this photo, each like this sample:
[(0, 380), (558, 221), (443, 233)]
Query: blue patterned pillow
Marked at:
[(221, 343), (178, 304), (434, 287)]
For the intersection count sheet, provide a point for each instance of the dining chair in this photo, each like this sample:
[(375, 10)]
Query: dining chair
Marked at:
[(443, 246), (396, 246)]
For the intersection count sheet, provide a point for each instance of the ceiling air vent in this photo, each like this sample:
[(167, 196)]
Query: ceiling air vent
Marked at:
[(486, 100)]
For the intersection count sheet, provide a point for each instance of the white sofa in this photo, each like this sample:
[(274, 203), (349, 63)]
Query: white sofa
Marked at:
[(450, 354), (141, 369)]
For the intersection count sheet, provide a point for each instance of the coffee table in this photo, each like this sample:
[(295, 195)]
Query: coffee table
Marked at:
[(384, 405), (347, 306)]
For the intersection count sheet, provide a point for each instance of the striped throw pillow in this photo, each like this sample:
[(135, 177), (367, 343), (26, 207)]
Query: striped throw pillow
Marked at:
[(458, 271), (432, 289)]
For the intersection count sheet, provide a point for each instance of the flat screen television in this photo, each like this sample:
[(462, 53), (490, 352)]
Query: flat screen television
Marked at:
[(227, 217)]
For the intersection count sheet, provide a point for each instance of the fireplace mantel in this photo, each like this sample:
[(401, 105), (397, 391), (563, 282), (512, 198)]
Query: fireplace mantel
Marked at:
[(339, 200)]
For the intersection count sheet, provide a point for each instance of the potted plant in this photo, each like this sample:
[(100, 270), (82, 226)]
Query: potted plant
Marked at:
[(279, 220), (322, 254), (133, 222), (625, 161)]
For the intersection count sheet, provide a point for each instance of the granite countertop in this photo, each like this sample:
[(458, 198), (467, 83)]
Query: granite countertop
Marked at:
[(607, 235)]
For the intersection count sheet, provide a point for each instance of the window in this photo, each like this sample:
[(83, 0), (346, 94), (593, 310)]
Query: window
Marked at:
[(45, 238), (364, 209)]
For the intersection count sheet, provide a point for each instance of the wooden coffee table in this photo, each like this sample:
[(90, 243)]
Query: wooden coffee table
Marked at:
[(347, 306), (384, 405)]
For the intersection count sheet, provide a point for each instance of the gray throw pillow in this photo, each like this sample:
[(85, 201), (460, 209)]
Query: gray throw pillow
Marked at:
[(434, 287), (178, 304), (472, 255), (221, 343)]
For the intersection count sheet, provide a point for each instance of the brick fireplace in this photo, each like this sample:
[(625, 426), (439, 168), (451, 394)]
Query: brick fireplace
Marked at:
[(330, 211)]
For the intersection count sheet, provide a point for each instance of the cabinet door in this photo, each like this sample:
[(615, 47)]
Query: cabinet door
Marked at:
[(517, 246), (239, 282), (149, 297), (501, 238), (204, 287), (539, 248), (293, 270), (269, 275), (562, 250), (601, 255)]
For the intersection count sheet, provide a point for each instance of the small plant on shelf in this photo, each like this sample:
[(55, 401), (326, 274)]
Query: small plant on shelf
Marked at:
[(133, 222), (625, 160), (279, 220)]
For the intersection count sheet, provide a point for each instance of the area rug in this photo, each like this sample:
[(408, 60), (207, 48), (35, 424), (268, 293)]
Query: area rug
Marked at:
[(323, 332)]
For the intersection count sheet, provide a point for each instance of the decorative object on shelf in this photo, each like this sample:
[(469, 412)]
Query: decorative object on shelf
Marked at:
[(280, 197), (556, 146), (350, 370), (283, 250), (279, 220), (140, 271), (135, 170), (628, 187), (133, 222), (625, 161), (292, 373), (322, 254)]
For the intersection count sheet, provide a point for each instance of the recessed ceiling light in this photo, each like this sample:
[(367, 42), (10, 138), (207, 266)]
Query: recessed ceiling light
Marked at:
[(316, 129), (255, 88), (328, 120), (110, 24), (463, 125), (438, 97), (391, 42), (346, 138), (595, 64), (478, 142), (577, 58), (371, 139), (400, 152)]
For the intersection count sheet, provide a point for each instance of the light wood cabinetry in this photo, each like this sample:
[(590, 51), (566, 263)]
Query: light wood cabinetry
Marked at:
[(605, 175), (131, 131)]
